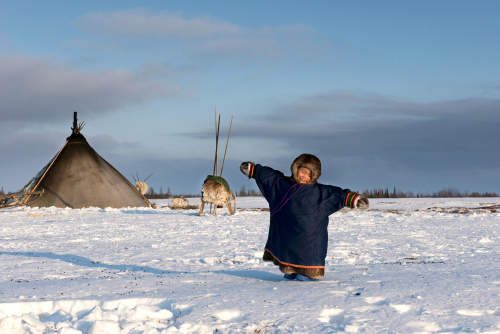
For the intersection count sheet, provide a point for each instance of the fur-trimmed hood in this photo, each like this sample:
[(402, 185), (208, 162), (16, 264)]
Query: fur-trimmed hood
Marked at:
[(308, 161)]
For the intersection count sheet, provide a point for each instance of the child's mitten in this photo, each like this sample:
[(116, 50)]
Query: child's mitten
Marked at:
[(247, 168), (361, 203)]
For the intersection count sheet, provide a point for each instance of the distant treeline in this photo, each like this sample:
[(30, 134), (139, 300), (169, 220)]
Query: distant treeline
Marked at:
[(153, 194), (371, 193), (395, 193), (250, 192)]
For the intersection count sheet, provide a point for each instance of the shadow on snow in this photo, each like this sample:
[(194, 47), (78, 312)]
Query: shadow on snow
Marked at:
[(85, 262), (253, 274)]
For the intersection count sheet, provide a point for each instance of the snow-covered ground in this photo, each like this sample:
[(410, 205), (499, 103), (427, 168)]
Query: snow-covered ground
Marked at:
[(404, 266)]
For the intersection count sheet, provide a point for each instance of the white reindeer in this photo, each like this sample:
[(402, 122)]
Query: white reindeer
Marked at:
[(141, 186), (216, 193), (179, 203)]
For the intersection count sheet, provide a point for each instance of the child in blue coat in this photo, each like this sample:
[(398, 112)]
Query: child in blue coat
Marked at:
[(299, 210)]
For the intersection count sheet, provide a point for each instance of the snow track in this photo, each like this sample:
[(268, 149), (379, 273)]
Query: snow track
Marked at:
[(412, 265)]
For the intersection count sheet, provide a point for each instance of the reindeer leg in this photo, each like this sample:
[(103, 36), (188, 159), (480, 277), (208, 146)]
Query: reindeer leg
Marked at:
[(229, 209), (234, 202), (201, 208)]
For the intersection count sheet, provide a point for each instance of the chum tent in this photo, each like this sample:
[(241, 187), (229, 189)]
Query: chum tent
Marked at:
[(78, 177)]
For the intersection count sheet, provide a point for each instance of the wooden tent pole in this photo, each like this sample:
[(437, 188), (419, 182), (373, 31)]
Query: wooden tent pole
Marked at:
[(26, 199), (215, 159), (227, 143), (217, 147), (75, 122)]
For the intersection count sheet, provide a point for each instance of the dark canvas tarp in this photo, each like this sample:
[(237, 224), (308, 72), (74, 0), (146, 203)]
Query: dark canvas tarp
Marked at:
[(78, 177)]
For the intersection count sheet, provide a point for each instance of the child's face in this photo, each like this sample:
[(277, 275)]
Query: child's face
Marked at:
[(303, 175)]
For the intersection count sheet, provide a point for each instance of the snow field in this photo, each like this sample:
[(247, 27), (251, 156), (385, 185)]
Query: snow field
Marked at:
[(403, 266)]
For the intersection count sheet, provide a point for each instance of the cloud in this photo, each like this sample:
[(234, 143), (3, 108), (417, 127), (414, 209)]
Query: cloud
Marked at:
[(140, 22), (42, 90), (388, 124), (107, 143), (201, 35), (383, 140), (345, 108), (24, 153), (254, 47), (363, 142), (371, 140)]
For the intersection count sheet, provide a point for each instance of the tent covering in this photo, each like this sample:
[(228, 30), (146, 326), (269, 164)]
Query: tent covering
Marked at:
[(78, 177)]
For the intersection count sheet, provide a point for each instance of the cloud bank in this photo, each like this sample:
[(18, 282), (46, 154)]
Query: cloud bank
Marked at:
[(372, 141), (141, 22), (202, 35), (42, 90)]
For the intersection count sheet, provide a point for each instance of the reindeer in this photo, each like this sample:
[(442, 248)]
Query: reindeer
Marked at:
[(179, 203), (141, 186), (215, 189), (215, 192)]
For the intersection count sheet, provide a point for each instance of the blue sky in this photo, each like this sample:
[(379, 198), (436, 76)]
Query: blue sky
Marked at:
[(386, 93)]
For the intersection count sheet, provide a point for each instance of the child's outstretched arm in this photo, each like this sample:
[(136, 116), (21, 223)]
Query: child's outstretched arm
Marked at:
[(261, 174), (265, 177)]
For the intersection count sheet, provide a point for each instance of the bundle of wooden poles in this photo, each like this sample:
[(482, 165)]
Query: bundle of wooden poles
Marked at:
[(217, 132)]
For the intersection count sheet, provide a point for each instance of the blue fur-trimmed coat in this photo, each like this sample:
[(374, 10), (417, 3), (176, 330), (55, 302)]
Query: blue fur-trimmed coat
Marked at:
[(298, 232)]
